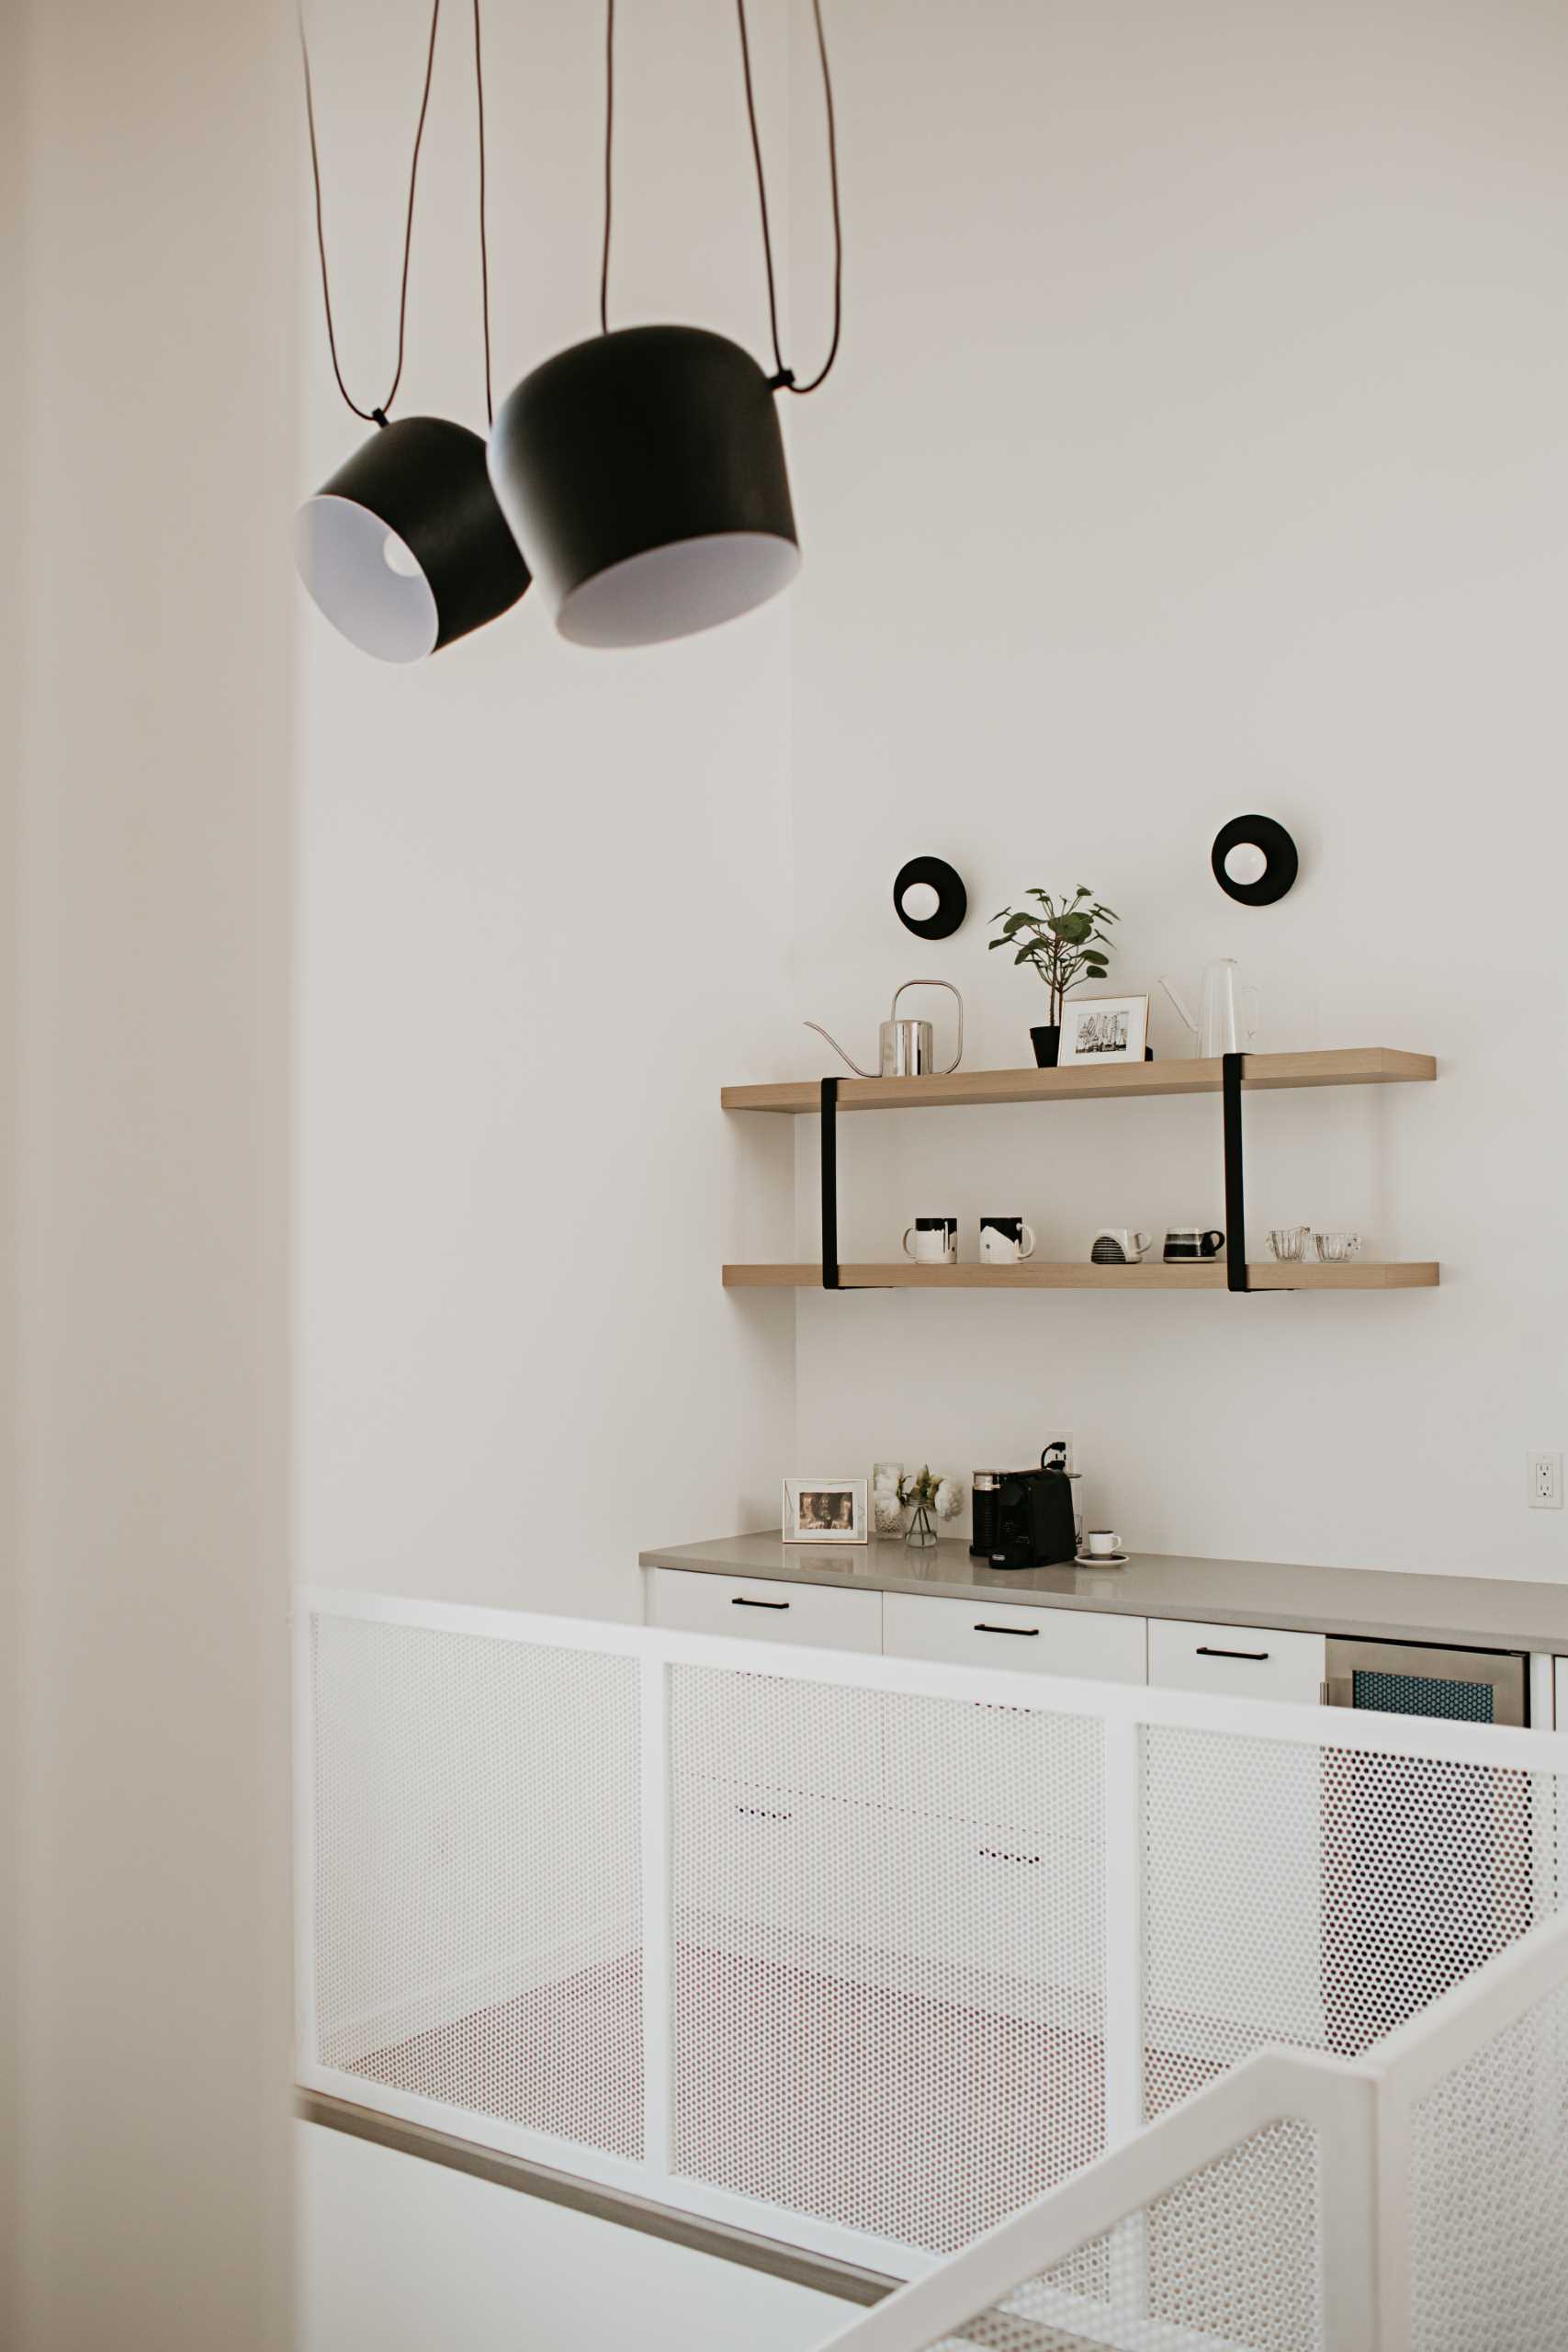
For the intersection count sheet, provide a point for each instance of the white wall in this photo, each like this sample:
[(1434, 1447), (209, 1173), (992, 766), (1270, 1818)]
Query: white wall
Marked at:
[(151, 1162), (12, 680), (1195, 448), (396, 2255), (1198, 449), (545, 891)]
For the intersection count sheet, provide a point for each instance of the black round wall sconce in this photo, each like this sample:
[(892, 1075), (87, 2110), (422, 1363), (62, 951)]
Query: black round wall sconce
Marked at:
[(929, 897), (1254, 860)]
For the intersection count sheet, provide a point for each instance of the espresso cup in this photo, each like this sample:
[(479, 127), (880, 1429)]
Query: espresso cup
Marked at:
[(1187, 1241), (1004, 1241), (1101, 1542), (935, 1239), (1115, 1244)]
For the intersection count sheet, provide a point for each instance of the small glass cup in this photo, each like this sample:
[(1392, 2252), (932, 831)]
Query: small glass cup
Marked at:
[(1289, 1243), (1338, 1249)]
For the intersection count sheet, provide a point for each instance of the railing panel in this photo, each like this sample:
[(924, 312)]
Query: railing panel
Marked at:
[(1488, 2184), (889, 1951), (476, 1888)]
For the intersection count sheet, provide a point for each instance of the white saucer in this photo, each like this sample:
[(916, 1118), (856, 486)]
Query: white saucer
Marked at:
[(1101, 1559)]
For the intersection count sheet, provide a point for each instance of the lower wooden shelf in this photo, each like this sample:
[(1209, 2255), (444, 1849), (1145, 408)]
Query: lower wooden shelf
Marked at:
[(1045, 1274)]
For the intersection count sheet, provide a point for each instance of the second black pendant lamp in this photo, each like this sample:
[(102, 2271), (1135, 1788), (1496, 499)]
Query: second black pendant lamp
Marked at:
[(404, 549), (643, 472)]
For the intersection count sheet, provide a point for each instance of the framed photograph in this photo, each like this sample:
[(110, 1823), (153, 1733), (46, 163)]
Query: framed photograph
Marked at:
[(1103, 1029), (824, 1510)]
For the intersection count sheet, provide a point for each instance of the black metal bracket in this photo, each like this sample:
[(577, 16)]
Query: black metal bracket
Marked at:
[(1232, 1072), (830, 1184)]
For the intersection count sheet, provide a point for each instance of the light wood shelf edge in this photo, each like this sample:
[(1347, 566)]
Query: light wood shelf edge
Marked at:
[(1045, 1274), (1344, 1066)]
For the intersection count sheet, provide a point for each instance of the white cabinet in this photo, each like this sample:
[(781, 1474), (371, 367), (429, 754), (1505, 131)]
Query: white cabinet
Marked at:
[(1236, 1661), (761, 1609), (1004, 1633)]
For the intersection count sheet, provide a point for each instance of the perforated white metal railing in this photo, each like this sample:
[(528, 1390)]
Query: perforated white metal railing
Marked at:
[(1413, 2200), (866, 1954)]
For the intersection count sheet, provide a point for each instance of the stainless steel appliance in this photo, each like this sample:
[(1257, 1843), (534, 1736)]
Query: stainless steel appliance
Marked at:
[(1422, 1678)]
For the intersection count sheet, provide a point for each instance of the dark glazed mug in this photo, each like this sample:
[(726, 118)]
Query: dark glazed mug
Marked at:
[(1185, 1242)]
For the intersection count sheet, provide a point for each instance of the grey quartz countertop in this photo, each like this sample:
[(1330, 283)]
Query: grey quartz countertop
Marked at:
[(1475, 1613)]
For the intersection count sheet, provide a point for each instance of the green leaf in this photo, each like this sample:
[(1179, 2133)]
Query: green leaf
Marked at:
[(1024, 955), (1073, 929)]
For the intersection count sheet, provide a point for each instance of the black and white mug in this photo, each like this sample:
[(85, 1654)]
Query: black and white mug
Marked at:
[(1118, 1245), (1185, 1242), (936, 1241), (1004, 1241)]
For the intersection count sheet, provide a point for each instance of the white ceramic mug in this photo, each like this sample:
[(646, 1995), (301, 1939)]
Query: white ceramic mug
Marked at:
[(936, 1241), (1003, 1240), (1114, 1245), (1100, 1543)]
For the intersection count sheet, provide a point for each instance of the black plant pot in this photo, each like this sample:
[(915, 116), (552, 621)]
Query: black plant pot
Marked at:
[(1047, 1043)]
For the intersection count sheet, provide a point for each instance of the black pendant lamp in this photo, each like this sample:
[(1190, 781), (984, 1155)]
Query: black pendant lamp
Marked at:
[(404, 549), (643, 472)]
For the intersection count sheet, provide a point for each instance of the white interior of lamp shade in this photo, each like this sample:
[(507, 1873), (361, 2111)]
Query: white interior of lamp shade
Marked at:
[(674, 591), (1246, 864), (365, 579)]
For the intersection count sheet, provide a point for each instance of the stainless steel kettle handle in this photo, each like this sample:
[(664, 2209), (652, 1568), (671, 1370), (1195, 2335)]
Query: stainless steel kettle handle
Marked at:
[(899, 991), (840, 1051)]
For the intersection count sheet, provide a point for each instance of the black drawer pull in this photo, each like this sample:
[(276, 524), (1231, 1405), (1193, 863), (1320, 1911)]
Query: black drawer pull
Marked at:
[(739, 1600), (1256, 1656), (1024, 1633)]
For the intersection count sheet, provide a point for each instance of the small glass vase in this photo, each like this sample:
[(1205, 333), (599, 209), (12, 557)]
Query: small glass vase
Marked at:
[(921, 1533)]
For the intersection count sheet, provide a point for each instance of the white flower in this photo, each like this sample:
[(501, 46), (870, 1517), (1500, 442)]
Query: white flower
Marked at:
[(949, 1498)]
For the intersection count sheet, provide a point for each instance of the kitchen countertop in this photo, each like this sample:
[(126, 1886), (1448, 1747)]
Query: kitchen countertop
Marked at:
[(1472, 1612)]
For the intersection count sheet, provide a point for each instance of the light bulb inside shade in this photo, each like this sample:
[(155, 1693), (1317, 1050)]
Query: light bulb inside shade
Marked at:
[(1246, 864), (920, 901), (344, 553)]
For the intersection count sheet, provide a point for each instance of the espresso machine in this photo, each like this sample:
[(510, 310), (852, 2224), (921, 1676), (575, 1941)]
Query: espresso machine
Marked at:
[(1025, 1519)]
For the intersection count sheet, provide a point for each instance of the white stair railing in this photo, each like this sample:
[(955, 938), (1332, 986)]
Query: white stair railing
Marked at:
[(1435, 2209), (865, 1953)]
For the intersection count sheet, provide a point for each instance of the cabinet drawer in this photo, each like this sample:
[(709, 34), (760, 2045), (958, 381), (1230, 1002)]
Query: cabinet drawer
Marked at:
[(761, 1609), (984, 1632), (1242, 1661)]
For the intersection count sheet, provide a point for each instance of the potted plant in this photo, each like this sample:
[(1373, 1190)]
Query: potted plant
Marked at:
[(1065, 943)]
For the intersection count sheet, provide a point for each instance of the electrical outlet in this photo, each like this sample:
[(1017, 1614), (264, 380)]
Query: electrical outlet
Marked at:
[(1546, 1482)]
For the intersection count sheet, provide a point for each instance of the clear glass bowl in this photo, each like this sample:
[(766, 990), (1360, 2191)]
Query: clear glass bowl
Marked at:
[(1289, 1242)]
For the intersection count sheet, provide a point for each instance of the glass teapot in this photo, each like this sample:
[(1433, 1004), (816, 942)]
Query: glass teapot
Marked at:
[(1228, 1011)]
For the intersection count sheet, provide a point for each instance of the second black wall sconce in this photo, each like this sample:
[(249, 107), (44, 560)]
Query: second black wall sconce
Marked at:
[(930, 898), (1254, 860)]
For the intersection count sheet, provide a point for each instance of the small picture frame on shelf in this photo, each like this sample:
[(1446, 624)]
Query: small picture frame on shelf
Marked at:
[(824, 1510), (1101, 1029)]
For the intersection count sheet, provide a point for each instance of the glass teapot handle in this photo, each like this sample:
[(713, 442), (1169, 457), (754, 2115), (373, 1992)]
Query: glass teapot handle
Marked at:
[(899, 991)]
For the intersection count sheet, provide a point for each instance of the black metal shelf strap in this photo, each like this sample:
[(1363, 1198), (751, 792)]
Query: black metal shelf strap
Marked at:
[(1233, 1074)]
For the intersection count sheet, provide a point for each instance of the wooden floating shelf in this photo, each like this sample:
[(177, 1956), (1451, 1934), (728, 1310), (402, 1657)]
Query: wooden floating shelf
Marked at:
[(1349, 1065), (1037, 1275)]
